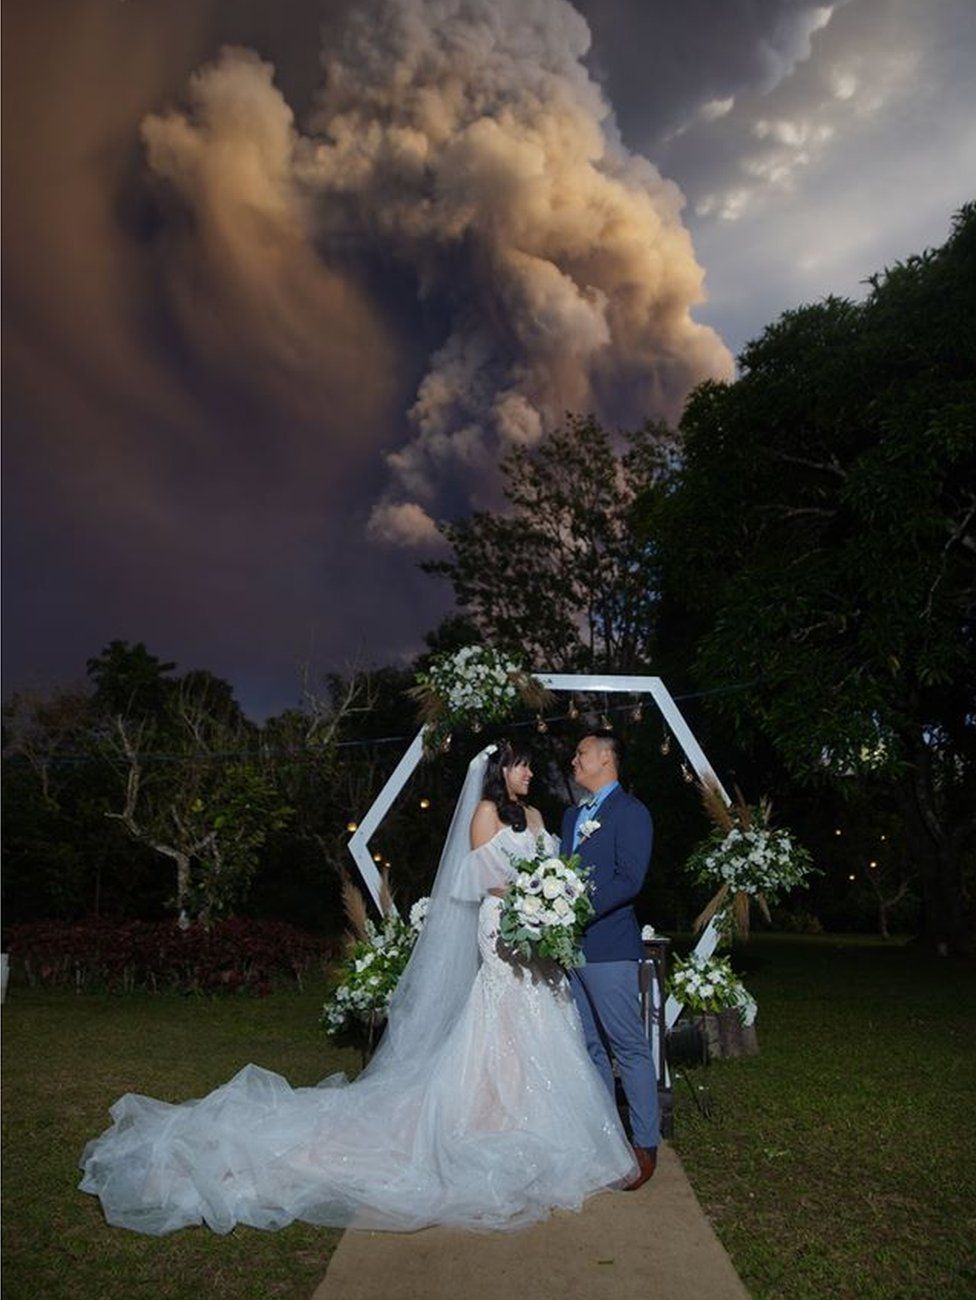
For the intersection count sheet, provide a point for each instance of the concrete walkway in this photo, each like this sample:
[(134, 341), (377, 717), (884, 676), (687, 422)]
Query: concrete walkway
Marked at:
[(652, 1244)]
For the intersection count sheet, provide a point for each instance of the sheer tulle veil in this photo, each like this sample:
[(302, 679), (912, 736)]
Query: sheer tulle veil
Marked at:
[(437, 981)]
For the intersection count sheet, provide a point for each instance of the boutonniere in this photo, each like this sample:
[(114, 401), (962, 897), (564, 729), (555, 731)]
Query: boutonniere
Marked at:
[(586, 830)]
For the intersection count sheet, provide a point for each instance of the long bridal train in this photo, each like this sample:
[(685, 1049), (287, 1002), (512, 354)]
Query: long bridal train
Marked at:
[(481, 1108)]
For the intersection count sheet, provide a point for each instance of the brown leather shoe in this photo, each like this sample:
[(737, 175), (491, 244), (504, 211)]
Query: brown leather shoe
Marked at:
[(646, 1158)]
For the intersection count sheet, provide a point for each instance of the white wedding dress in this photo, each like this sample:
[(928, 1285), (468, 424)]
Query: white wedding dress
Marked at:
[(493, 1126)]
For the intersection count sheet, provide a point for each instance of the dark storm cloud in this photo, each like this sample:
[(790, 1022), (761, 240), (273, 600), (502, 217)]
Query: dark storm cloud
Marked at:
[(189, 416), (236, 319)]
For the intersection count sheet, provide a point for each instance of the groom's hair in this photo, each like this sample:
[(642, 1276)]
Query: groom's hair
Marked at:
[(612, 741)]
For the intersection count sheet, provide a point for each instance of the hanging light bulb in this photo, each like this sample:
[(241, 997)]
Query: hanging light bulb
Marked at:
[(352, 826), (377, 857), (476, 726), (605, 722), (425, 802), (666, 744), (572, 711), (638, 712), (541, 725), (445, 744), (687, 773)]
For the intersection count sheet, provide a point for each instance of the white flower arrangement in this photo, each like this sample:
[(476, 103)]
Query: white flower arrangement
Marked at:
[(754, 861), (371, 971), (746, 858), (470, 687), (546, 908), (709, 984)]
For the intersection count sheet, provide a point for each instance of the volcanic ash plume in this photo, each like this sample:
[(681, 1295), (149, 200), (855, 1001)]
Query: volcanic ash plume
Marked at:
[(467, 139)]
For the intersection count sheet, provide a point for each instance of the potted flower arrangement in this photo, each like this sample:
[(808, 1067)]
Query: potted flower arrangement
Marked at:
[(716, 999), (376, 956)]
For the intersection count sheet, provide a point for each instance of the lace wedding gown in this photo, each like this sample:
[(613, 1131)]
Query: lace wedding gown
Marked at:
[(504, 1119)]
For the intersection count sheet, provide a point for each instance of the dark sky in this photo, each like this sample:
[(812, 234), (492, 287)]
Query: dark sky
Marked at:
[(283, 279)]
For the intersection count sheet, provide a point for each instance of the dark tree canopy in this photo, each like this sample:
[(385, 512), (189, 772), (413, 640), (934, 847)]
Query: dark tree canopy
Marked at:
[(822, 529)]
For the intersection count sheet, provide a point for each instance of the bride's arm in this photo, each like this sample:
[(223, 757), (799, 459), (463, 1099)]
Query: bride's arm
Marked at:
[(484, 827), (484, 824)]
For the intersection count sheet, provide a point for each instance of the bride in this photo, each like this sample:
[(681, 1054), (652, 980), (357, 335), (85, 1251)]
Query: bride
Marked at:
[(481, 1107)]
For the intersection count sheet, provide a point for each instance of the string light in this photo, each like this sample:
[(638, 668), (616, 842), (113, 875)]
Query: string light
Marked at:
[(850, 877), (425, 802), (687, 773), (837, 832), (638, 712), (666, 743), (541, 725), (605, 722), (377, 857), (872, 864), (352, 826), (445, 744), (572, 711)]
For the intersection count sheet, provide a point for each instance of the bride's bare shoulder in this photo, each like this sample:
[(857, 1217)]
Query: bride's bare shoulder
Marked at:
[(485, 824)]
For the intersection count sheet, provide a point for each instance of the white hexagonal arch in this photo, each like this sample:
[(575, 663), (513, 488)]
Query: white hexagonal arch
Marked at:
[(583, 683)]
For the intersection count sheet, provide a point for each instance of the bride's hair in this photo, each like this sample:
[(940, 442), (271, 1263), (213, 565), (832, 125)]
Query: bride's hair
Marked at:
[(508, 754)]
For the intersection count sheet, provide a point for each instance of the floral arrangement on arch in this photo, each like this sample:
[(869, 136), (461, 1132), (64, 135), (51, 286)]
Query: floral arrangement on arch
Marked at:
[(375, 959), (746, 858), (470, 687), (709, 984), (546, 907)]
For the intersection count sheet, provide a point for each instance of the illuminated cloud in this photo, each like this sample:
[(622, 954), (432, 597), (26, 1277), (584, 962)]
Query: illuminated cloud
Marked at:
[(469, 143)]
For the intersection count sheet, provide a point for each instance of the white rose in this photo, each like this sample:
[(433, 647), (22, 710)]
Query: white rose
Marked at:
[(561, 907), (552, 888), (553, 864), (531, 906)]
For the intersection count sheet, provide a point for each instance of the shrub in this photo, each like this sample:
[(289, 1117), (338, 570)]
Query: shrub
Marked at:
[(230, 956)]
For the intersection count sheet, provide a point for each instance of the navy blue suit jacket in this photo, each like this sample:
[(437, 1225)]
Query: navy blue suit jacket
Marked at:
[(618, 855)]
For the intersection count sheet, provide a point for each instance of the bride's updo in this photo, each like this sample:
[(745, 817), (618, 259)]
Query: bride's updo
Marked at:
[(510, 811)]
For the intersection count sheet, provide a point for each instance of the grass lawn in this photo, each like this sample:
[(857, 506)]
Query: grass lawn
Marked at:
[(842, 1160), (66, 1059)]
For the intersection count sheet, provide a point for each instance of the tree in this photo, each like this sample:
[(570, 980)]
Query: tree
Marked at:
[(821, 530), (129, 680), (560, 579), (207, 805)]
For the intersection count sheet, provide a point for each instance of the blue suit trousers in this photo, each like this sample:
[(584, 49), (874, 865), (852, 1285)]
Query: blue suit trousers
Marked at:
[(607, 995)]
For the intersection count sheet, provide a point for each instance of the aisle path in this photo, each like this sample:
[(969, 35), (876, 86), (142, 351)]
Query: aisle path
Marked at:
[(652, 1244)]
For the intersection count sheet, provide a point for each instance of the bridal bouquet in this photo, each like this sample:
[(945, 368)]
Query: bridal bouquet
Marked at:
[(704, 984), (546, 908), (472, 686)]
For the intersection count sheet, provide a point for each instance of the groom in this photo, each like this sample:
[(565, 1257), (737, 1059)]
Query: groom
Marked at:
[(612, 832)]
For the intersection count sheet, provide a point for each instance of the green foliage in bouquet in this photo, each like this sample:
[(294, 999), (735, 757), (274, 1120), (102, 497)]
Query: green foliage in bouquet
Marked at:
[(546, 908)]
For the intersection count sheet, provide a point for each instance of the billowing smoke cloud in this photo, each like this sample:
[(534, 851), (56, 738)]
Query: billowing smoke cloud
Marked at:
[(468, 142), (252, 294)]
